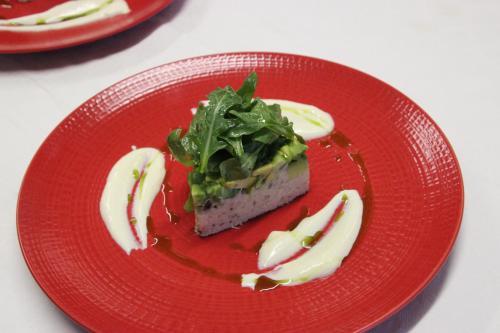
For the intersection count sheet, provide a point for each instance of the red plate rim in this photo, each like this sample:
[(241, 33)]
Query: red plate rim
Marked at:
[(86, 33), (438, 265)]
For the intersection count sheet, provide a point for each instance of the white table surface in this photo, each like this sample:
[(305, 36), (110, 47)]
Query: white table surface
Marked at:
[(443, 54)]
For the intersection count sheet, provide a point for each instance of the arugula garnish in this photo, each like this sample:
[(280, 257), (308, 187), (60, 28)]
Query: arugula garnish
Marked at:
[(230, 138)]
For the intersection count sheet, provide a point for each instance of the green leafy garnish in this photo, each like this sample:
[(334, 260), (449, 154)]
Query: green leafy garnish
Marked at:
[(233, 143)]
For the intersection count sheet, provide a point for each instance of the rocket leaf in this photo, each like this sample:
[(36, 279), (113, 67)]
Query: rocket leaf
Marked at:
[(229, 138)]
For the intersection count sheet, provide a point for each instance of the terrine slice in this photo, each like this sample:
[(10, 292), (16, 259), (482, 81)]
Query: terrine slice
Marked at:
[(279, 188)]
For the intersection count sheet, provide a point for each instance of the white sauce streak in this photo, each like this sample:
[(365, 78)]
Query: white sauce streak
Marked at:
[(320, 260), (308, 121), (149, 163), (281, 245), (66, 15)]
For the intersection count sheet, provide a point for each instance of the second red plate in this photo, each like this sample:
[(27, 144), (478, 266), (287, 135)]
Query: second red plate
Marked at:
[(23, 42)]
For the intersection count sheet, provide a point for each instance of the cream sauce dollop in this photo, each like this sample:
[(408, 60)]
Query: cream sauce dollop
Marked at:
[(144, 168), (323, 258), (309, 121), (68, 14)]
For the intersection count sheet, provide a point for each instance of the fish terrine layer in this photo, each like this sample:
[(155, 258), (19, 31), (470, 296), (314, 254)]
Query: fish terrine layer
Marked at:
[(279, 188)]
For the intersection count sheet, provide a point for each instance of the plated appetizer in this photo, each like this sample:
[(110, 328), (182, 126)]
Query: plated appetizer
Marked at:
[(168, 278), (246, 159)]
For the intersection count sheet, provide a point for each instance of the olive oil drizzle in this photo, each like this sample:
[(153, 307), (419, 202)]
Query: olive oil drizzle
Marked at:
[(163, 244), (336, 138), (264, 283), (167, 188), (341, 140), (303, 213)]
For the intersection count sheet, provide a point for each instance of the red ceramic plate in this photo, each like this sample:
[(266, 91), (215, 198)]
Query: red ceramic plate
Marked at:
[(22, 42), (405, 169)]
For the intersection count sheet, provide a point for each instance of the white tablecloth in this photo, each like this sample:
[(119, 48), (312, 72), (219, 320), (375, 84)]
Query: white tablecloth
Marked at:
[(445, 55)]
